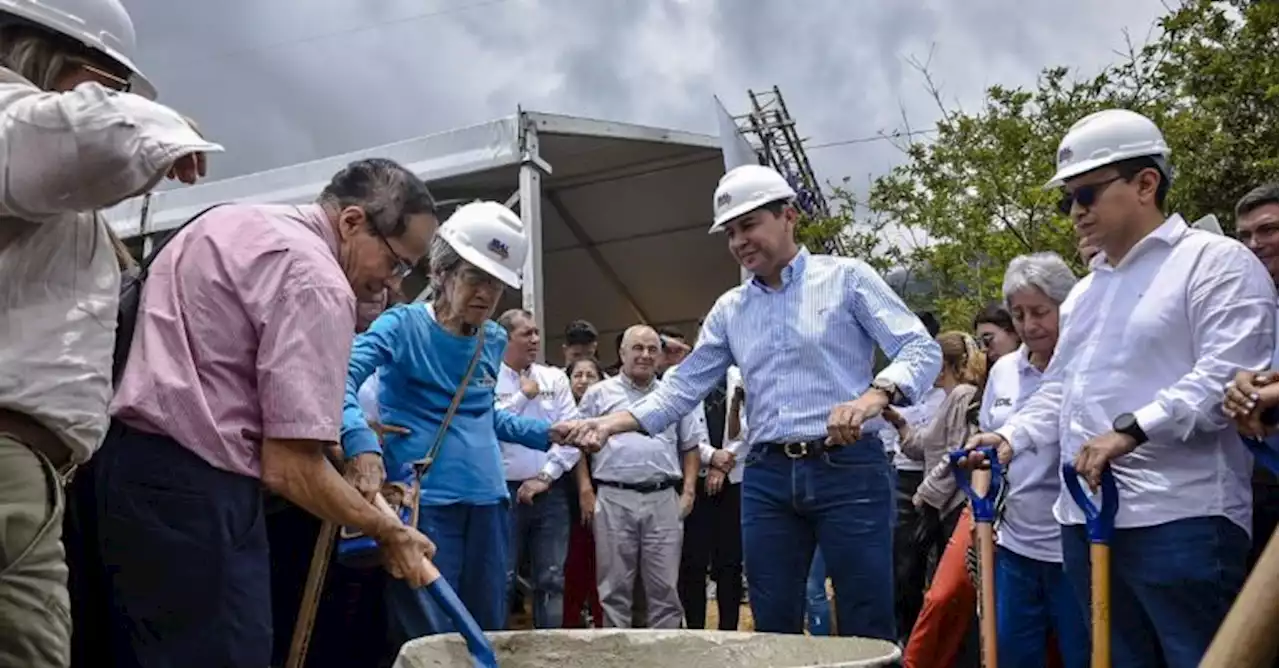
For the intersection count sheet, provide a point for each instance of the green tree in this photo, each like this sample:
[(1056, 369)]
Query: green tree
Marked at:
[(974, 190)]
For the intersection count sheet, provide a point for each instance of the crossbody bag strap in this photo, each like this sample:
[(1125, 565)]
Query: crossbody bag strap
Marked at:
[(423, 464)]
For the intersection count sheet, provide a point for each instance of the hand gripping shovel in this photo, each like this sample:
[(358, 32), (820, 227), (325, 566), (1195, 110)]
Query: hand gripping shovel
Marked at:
[(982, 502), (1101, 524), (478, 645)]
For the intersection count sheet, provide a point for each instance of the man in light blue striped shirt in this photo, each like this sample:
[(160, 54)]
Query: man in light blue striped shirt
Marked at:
[(803, 331)]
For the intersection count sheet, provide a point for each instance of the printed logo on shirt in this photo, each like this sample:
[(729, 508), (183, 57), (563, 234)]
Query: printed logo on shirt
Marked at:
[(1002, 401)]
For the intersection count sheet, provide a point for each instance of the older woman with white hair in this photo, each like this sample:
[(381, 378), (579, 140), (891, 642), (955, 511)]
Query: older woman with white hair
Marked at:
[(1034, 597), (423, 354)]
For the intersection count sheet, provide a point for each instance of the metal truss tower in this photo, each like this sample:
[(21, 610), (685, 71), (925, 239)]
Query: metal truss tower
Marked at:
[(772, 132)]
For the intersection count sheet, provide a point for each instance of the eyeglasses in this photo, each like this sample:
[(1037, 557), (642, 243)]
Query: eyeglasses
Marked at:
[(985, 339), (1086, 195), (476, 278), (105, 78), (402, 267)]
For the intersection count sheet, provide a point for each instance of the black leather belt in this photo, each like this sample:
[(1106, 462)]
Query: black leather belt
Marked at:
[(642, 487), (801, 449)]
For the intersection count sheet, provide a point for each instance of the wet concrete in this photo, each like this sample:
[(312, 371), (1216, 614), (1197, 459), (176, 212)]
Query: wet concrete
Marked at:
[(653, 649)]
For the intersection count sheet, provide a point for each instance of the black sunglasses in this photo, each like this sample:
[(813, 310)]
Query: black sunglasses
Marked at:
[(1086, 195)]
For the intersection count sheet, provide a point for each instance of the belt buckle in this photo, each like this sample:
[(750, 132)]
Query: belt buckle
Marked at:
[(796, 450)]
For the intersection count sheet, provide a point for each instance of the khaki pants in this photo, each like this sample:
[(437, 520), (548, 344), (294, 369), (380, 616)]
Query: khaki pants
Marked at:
[(638, 531), (35, 622)]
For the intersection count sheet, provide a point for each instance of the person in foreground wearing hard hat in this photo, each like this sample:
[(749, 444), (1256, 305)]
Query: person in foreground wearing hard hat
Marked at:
[(74, 142), (423, 352), (1158, 327), (234, 383), (803, 331)]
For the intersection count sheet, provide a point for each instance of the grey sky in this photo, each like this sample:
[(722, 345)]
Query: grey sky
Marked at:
[(281, 81)]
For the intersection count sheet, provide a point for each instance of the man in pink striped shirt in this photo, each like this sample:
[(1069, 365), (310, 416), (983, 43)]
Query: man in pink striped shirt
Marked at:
[(235, 382)]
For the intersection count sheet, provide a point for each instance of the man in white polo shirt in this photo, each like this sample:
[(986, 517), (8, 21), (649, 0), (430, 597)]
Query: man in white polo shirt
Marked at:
[(1163, 321), (536, 479)]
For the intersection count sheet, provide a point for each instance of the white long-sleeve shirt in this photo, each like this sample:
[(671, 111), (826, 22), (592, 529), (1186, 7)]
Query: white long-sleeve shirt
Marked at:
[(65, 155), (1028, 527), (1158, 335), (554, 403)]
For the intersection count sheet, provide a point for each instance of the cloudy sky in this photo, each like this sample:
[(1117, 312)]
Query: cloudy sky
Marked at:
[(281, 81)]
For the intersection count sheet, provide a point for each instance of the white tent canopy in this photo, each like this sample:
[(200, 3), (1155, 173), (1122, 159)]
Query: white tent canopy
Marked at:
[(618, 213)]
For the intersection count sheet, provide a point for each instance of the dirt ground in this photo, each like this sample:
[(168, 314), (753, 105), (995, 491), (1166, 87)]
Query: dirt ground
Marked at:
[(523, 621)]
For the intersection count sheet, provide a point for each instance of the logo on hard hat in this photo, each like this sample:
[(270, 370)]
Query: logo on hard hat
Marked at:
[(500, 249), (723, 200), (1065, 154)]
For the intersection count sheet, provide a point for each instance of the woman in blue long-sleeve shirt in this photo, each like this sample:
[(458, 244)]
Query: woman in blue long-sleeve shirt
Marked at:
[(421, 352)]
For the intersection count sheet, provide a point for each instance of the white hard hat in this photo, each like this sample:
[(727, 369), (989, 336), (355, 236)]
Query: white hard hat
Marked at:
[(489, 236), (101, 25), (745, 189), (1108, 137)]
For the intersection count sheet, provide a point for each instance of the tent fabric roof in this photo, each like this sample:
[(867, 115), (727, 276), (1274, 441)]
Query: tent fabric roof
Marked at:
[(637, 198)]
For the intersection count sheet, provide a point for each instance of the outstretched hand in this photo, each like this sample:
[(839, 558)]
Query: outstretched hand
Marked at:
[(587, 435)]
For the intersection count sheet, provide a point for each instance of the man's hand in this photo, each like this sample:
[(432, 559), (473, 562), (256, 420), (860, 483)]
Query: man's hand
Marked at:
[(366, 473), (531, 488), (844, 425), (686, 503), (587, 435), (529, 387), (715, 481), (192, 166), (722, 460), (404, 552), (1004, 451), (587, 505), (1098, 452)]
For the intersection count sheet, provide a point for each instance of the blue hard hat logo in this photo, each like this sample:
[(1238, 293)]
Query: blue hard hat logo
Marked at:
[(498, 248)]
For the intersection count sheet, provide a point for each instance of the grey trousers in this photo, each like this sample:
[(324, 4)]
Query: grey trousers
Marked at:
[(641, 531), (35, 618)]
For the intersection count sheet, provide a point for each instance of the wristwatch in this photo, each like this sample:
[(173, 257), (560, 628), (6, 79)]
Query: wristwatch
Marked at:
[(1127, 424), (889, 388), (545, 477)]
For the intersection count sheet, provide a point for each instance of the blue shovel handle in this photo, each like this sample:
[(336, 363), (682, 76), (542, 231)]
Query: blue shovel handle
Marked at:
[(1100, 522), (984, 507), (477, 644), (1263, 454)]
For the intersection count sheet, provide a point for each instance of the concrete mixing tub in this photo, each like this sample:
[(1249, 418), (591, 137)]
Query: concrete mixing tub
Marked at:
[(616, 648)]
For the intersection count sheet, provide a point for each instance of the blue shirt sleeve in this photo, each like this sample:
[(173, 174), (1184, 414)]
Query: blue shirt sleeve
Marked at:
[(695, 377), (371, 350), (521, 430)]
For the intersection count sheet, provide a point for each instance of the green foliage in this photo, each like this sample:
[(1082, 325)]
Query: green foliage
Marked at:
[(973, 193)]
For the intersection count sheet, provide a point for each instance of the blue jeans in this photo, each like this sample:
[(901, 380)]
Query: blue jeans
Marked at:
[(1171, 586), (1034, 598), (816, 603), (471, 553), (541, 532), (841, 501)]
